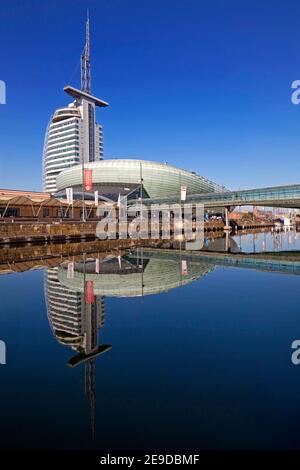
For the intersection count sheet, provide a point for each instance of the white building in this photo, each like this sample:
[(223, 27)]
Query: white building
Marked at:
[(72, 135)]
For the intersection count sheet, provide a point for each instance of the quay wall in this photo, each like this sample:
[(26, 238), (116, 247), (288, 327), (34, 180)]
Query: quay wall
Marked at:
[(24, 232)]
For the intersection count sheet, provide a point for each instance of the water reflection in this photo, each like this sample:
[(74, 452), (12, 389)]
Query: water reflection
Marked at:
[(132, 275), (75, 322), (75, 291), (258, 241), (23, 258), (226, 243), (80, 287), (75, 298), (253, 241)]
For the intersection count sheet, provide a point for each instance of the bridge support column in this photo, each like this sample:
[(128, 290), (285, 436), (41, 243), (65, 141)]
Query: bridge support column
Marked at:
[(227, 225), (227, 242)]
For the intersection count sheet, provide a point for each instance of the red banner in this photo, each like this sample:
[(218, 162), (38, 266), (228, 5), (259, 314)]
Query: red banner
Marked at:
[(89, 292), (88, 180)]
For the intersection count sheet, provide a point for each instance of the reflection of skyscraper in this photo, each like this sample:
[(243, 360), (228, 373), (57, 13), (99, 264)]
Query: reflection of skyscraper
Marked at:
[(76, 314), (76, 323), (73, 323)]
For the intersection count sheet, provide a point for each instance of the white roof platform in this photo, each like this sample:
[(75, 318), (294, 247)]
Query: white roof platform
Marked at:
[(75, 93)]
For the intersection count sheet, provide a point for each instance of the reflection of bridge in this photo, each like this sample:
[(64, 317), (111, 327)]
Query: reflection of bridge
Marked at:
[(280, 263), (277, 196), (39, 257)]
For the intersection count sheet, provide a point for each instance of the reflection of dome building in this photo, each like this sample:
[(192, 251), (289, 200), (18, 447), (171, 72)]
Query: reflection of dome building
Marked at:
[(131, 276), (114, 177), (75, 319)]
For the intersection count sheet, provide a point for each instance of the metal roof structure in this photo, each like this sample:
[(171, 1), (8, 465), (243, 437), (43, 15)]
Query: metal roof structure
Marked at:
[(37, 201)]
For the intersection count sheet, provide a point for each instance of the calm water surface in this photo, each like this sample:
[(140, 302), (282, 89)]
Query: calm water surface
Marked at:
[(134, 353)]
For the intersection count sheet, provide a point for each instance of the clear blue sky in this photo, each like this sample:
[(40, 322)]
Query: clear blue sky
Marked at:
[(204, 85)]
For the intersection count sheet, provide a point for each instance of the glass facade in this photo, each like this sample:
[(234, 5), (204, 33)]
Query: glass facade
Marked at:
[(159, 180)]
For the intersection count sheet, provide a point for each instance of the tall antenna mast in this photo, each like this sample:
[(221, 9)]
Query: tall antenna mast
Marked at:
[(85, 61)]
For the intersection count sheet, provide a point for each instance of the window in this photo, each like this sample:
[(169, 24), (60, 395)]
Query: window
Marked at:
[(91, 133), (46, 212), (12, 212)]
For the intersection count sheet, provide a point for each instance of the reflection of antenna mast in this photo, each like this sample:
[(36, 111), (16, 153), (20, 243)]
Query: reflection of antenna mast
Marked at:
[(86, 61), (142, 261), (90, 390)]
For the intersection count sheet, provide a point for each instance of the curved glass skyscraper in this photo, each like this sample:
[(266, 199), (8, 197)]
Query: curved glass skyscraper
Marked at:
[(72, 135)]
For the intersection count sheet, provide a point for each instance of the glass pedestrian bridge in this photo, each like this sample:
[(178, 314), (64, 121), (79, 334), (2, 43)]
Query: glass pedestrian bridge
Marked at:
[(277, 196)]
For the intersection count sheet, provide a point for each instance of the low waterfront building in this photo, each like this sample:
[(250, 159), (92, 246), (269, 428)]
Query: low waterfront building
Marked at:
[(28, 205)]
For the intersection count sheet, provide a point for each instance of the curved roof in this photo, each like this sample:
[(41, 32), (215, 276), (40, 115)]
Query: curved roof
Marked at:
[(6, 194), (159, 179)]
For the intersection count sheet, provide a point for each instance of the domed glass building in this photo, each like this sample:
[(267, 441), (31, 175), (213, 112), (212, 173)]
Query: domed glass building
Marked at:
[(131, 177)]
